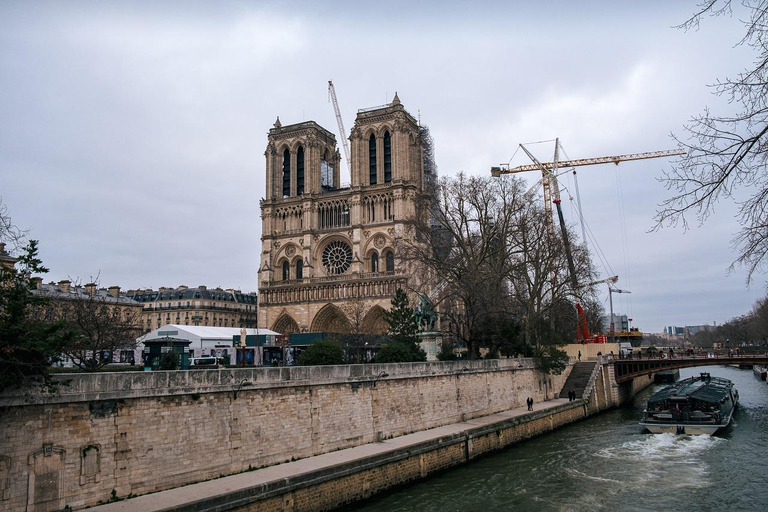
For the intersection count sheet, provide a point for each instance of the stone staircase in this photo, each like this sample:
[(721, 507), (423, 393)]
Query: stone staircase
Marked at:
[(578, 379)]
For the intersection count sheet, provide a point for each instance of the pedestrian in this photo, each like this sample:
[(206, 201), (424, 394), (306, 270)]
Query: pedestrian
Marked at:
[(530, 403), (579, 355)]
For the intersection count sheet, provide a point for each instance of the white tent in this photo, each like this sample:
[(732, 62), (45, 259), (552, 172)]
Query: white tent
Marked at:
[(205, 340)]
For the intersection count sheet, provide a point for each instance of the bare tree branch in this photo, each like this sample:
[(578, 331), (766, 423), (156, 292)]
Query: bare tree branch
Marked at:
[(728, 153)]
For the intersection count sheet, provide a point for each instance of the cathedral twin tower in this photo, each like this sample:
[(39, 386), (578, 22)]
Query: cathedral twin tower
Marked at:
[(330, 260)]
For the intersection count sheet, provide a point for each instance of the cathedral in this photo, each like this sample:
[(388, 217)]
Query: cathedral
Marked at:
[(330, 258)]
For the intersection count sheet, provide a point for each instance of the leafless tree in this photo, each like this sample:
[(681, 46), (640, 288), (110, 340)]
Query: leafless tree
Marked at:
[(539, 276), (728, 153), (355, 310), (100, 325), (9, 232), (488, 243)]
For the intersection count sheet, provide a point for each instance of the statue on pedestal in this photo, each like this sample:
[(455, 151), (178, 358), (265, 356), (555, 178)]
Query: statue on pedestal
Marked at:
[(425, 314)]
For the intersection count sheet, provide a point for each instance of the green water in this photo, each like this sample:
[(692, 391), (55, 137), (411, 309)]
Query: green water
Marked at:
[(608, 462)]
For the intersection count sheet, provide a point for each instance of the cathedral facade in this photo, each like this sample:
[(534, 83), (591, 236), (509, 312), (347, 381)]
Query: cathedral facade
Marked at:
[(330, 260)]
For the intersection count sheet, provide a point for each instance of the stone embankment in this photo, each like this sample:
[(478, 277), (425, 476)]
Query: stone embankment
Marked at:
[(110, 436)]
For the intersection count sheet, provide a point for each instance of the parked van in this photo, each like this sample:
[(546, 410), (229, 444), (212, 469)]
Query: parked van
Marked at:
[(625, 349), (197, 362)]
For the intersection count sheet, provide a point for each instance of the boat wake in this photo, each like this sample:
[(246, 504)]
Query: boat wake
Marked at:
[(655, 457)]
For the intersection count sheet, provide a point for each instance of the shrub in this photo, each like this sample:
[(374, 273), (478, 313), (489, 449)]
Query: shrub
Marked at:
[(322, 352)]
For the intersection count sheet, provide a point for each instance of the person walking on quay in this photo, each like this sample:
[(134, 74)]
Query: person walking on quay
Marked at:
[(579, 355), (530, 403)]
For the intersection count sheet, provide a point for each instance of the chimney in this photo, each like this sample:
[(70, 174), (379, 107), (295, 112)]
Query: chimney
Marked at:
[(114, 291), (182, 287), (38, 282), (90, 288), (64, 285), (202, 287)]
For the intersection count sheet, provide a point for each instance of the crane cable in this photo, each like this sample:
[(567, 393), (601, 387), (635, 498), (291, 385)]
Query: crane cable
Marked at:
[(624, 241)]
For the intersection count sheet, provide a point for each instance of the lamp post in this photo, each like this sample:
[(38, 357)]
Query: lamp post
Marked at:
[(243, 334)]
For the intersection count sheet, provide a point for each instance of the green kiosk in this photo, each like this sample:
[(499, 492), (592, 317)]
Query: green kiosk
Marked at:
[(166, 354)]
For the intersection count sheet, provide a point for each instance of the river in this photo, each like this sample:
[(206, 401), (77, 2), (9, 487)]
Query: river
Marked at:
[(608, 462)]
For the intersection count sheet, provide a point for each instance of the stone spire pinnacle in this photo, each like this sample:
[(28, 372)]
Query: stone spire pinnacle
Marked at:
[(278, 124), (396, 100)]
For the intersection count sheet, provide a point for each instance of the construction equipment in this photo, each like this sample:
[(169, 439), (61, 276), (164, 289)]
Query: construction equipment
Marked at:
[(582, 330), (550, 186), (611, 291), (342, 133), (549, 173)]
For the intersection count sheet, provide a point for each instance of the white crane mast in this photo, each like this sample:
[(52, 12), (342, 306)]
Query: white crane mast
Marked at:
[(342, 133)]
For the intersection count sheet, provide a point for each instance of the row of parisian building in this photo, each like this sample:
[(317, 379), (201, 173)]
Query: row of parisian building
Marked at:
[(150, 309)]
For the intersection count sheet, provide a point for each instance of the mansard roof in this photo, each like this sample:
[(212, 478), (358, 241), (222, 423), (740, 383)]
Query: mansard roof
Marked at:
[(200, 292)]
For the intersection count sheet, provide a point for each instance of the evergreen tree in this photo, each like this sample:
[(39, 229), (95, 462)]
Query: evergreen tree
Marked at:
[(403, 329), (27, 346), (402, 319)]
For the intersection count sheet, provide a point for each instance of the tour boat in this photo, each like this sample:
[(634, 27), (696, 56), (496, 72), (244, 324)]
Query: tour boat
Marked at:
[(698, 405), (760, 371)]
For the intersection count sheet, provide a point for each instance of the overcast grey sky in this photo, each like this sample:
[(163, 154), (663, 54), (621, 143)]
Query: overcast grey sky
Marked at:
[(132, 133)]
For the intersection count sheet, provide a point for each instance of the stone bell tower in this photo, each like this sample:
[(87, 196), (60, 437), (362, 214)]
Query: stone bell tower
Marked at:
[(327, 249)]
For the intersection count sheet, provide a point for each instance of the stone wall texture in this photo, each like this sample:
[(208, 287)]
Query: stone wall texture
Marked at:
[(135, 433)]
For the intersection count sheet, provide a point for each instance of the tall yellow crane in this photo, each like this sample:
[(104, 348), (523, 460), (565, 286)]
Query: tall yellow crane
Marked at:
[(549, 171), (549, 182)]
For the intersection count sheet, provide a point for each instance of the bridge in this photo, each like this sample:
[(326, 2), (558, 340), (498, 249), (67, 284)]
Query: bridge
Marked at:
[(628, 369)]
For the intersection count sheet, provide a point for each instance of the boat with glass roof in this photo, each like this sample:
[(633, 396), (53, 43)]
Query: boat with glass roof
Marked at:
[(698, 405)]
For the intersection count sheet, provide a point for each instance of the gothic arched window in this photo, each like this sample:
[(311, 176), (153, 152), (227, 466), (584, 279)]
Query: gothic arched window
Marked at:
[(286, 271), (390, 258), (372, 159), (387, 158), (300, 171), (299, 269), (374, 262), (286, 173)]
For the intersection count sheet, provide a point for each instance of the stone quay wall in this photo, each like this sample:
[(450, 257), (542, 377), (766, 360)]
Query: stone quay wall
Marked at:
[(117, 434), (348, 483)]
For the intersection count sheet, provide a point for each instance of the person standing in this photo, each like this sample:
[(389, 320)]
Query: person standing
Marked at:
[(530, 403), (579, 355)]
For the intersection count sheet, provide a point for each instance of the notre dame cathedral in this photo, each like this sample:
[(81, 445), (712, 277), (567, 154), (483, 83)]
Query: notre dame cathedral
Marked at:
[(330, 260)]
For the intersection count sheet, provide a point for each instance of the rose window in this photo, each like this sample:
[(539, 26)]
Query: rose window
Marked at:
[(337, 257)]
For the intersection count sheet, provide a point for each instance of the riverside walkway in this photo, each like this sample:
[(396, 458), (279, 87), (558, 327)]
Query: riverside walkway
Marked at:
[(246, 488)]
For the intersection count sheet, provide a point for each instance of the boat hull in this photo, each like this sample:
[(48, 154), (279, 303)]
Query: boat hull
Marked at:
[(694, 430)]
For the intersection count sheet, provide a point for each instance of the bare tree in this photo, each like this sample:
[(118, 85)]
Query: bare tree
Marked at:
[(355, 310), (539, 276), (9, 232), (101, 325), (728, 153), (488, 243), (460, 240)]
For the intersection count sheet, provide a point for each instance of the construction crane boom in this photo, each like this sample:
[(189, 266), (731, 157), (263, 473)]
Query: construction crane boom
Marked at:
[(549, 172), (505, 169), (342, 133)]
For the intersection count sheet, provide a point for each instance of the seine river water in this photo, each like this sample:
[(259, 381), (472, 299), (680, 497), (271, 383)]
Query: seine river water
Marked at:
[(608, 462)]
